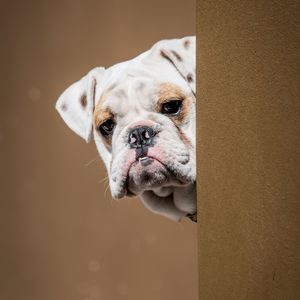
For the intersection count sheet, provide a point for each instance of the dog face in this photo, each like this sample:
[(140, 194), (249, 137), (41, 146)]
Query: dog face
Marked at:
[(141, 114)]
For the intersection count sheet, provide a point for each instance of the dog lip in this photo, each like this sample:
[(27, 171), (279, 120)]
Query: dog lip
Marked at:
[(145, 161), (124, 186), (182, 182)]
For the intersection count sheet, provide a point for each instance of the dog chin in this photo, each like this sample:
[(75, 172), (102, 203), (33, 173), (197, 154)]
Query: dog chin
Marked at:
[(147, 174)]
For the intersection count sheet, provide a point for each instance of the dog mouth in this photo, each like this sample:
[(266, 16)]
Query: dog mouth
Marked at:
[(148, 173), (145, 174)]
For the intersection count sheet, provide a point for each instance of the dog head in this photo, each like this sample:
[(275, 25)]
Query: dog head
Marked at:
[(141, 114)]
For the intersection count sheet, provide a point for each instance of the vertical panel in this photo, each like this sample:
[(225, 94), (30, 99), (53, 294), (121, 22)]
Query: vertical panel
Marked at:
[(248, 149)]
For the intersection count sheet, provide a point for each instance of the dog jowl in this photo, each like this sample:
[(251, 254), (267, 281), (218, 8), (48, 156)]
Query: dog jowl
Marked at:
[(141, 115)]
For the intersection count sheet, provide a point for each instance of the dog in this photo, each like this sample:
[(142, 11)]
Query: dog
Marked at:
[(141, 115)]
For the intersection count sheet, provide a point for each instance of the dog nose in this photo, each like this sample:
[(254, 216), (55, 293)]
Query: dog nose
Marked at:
[(140, 136)]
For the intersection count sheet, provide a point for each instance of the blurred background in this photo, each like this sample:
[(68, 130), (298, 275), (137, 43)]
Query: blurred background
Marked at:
[(62, 236)]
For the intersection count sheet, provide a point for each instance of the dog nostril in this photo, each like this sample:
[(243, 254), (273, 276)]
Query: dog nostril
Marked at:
[(140, 136), (148, 133), (132, 138)]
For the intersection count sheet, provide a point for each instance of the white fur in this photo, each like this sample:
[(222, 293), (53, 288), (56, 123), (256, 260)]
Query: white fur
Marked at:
[(171, 190)]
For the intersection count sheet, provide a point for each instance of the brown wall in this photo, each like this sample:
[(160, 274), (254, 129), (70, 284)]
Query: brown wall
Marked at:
[(62, 236), (248, 150)]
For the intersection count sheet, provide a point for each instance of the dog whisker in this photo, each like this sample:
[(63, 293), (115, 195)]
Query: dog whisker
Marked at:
[(106, 189), (91, 161), (105, 179)]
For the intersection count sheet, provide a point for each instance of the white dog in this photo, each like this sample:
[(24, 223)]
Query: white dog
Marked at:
[(141, 114)]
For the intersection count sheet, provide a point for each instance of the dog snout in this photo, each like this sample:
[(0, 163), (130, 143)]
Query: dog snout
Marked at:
[(141, 136)]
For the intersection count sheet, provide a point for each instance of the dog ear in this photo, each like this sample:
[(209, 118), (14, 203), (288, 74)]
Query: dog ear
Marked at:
[(76, 103), (181, 53)]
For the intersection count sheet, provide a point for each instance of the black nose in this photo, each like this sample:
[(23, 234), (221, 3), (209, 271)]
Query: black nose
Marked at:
[(141, 136)]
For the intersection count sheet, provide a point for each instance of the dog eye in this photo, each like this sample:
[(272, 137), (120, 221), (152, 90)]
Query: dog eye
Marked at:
[(171, 107), (107, 127)]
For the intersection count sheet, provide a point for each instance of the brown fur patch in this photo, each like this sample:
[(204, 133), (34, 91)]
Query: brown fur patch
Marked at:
[(184, 138), (170, 91), (64, 107), (178, 57), (83, 101), (103, 114), (190, 77), (100, 116), (164, 55), (186, 44)]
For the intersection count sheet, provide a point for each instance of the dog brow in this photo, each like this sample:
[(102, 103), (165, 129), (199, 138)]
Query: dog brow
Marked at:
[(169, 90), (101, 115)]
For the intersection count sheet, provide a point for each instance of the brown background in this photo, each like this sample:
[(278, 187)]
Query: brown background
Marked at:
[(248, 149), (62, 237)]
